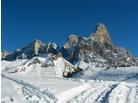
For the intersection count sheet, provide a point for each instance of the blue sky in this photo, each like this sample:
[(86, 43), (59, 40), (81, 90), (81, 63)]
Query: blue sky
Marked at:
[(53, 20)]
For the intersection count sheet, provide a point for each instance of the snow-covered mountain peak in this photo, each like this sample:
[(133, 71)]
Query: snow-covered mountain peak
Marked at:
[(90, 50), (35, 48), (97, 47)]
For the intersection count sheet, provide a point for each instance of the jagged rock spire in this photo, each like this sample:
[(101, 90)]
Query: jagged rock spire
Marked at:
[(37, 45), (101, 34), (72, 40)]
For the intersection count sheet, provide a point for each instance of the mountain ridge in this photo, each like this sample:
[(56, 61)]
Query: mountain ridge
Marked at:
[(91, 50)]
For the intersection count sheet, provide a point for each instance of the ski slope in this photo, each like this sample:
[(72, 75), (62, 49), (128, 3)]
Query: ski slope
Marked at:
[(81, 91), (96, 85)]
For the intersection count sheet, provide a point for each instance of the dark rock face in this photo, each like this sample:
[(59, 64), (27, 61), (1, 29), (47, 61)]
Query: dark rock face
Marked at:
[(96, 48), (28, 51), (35, 48)]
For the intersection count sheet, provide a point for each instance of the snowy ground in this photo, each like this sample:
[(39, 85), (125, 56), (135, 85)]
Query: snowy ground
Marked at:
[(119, 74), (98, 86)]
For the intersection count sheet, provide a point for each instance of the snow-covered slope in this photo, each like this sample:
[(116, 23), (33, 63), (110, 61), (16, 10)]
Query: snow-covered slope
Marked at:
[(22, 89), (39, 66), (111, 74), (42, 82)]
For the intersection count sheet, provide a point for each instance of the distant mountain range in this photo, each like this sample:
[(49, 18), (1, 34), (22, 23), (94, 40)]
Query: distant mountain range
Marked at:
[(97, 50)]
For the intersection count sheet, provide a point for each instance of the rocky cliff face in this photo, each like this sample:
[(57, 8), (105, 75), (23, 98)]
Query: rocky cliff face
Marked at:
[(101, 34), (35, 48), (97, 49)]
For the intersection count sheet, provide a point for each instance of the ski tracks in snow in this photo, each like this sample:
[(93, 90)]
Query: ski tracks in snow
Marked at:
[(108, 93), (94, 94), (67, 95), (89, 92), (123, 93), (32, 94)]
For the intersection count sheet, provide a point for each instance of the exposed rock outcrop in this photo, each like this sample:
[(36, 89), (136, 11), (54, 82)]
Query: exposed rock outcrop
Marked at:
[(101, 34), (97, 49), (35, 48)]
